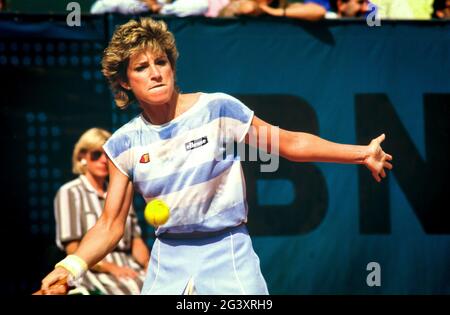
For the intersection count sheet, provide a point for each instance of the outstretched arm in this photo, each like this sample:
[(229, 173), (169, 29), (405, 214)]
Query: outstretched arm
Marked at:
[(305, 147), (108, 230)]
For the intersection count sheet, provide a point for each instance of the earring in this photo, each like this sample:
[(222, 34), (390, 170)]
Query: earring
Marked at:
[(83, 162)]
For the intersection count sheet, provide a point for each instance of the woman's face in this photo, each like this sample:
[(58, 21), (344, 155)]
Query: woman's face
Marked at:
[(150, 78), (97, 163)]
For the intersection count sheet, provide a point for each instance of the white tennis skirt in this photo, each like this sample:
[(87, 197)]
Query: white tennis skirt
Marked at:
[(223, 264)]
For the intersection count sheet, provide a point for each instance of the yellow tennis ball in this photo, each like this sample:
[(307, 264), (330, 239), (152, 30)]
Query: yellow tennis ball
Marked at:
[(156, 212)]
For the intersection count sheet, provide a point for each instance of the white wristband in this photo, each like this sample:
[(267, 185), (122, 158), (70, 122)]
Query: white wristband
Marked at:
[(74, 264)]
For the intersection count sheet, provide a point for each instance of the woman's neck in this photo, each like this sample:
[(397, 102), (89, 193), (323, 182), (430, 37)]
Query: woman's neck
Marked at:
[(97, 182), (161, 114)]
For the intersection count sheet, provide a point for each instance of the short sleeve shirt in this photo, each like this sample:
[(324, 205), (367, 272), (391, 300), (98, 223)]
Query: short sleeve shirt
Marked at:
[(188, 163)]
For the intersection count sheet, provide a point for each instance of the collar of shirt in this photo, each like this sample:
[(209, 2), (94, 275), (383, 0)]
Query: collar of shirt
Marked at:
[(87, 185)]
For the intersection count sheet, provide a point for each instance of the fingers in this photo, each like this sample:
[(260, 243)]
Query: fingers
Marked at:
[(56, 290), (382, 172), (388, 157), (376, 176), (48, 281), (381, 138), (58, 274), (126, 273), (131, 273), (134, 274)]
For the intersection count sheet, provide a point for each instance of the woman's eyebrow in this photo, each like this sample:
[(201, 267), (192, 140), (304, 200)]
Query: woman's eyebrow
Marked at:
[(138, 63), (145, 61), (141, 59)]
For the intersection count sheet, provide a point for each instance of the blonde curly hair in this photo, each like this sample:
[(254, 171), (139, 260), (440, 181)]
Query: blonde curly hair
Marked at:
[(131, 38)]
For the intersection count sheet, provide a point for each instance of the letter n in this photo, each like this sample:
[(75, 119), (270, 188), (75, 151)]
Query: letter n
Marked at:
[(423, 181)]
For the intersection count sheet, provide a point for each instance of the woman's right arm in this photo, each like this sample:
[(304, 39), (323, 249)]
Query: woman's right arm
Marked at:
[(104, 266), (108, 230)]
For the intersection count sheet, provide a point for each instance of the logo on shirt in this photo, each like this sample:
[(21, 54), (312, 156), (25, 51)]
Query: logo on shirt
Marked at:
[(194, 144), (145, 158)]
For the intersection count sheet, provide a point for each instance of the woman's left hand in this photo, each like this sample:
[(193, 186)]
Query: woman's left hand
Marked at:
[(377, 159)]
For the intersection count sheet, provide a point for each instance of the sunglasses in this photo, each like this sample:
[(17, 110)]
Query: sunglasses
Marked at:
[(95, 155)]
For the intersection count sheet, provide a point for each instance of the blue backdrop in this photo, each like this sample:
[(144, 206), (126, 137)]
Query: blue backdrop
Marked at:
[(359, 82)]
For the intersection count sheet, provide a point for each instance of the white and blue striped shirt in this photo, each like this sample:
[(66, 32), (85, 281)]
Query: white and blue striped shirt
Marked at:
[(185, 162)]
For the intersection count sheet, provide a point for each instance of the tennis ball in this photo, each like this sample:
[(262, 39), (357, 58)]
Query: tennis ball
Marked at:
[(156, 212)]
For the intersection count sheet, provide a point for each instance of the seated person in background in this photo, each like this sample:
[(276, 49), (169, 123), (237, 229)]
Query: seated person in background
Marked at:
[(348, 8), (180, 8), (422, 9), (215, 7), (183, 8), (78, 205), (208, 8), (442, 9), (309, 10), (405, 9), (125, 6), (243, 7)]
